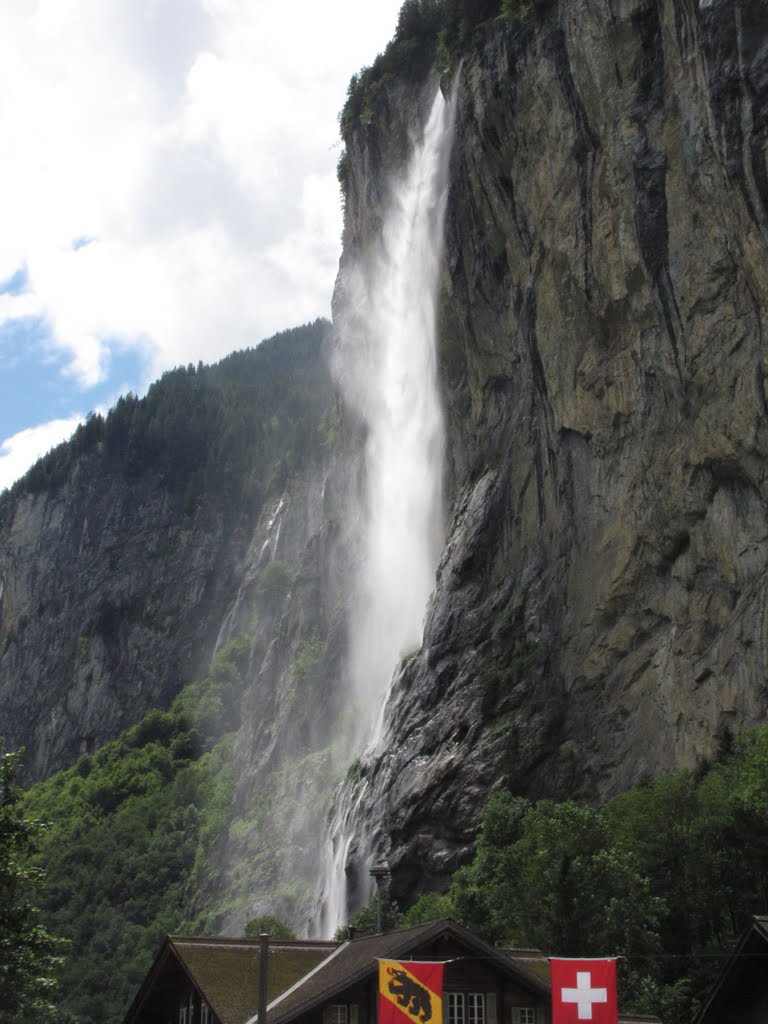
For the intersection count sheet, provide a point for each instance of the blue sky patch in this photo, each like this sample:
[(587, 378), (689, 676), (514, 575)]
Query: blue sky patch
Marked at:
[(35, 387), (16, 283)]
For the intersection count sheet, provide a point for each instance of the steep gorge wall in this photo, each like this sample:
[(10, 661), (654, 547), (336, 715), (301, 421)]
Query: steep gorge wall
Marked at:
[(600, 610), (107, 610), (116, 588)]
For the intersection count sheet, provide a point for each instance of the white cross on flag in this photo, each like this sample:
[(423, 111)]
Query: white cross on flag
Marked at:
[(584, 990)]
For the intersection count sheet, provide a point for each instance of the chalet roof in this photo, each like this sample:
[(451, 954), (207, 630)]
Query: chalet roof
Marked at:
[(226, 971), (357, 959), (531, 960)]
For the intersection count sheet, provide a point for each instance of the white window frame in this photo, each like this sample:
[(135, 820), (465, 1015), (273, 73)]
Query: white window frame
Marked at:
[(475, 1007), (455, 1001), (524, 1015), (205, 1013)]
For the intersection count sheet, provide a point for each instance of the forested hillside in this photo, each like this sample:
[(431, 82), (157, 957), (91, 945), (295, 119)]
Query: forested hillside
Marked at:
[(227, 433)]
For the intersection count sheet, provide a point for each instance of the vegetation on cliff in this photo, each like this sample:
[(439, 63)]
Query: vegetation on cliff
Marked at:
[(225, 433), (132, 830), (428, 32)]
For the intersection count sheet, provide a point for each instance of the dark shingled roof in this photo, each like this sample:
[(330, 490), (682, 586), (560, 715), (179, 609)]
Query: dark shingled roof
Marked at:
[(358, 958), (750, 943), (227, 970)]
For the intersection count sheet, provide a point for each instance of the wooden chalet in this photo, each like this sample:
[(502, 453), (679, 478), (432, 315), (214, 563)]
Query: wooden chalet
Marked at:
[(216, 981), (740, 995)]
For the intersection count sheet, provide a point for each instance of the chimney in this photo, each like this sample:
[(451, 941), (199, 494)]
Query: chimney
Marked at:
[(380, 874)]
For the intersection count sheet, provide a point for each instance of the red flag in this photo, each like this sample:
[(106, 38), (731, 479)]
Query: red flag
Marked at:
[(584, 990), (410, 992)]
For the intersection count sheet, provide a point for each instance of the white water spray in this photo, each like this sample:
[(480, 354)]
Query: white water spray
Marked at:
[(386, 367)]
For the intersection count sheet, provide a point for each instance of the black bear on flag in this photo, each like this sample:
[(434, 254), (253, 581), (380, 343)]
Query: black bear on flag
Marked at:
[(412, 990)]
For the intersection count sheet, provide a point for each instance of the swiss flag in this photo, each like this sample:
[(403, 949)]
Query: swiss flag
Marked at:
[(584, 990)]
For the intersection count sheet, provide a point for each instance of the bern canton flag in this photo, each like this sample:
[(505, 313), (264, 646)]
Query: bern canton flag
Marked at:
[(584, 990), (410, 992)]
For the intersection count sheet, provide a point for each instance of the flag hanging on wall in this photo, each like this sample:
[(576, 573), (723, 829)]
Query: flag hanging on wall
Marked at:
[(584, 990), (411, 991)]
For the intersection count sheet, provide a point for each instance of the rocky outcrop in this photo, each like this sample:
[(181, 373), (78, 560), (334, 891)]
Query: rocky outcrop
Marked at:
[(600, 609)]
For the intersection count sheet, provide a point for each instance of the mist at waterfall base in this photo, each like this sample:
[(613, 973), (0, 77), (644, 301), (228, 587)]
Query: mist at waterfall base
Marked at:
[(385, 364)]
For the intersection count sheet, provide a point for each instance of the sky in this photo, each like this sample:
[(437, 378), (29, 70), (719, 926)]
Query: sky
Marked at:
[(168, 190)]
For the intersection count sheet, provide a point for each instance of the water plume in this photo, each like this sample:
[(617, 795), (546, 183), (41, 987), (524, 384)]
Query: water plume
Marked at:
[(387, 370)]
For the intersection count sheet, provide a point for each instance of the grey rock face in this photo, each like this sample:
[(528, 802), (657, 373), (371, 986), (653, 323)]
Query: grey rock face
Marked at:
[(113, 600), (600, 610), (106, 611)]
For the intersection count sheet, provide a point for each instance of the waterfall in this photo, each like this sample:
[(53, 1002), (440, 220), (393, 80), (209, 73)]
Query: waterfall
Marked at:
[(386, 369)]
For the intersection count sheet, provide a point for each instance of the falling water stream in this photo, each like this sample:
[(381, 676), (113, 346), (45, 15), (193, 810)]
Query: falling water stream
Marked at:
[(386, 367)]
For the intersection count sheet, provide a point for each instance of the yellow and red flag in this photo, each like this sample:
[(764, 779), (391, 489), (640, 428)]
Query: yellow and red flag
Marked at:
[(410, 992)]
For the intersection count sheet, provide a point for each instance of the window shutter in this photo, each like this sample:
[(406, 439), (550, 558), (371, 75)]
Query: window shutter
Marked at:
[(490, 1007)]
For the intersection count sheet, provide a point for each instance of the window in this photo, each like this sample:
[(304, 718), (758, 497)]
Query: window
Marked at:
[(336, 1013), (524, 1015), (466, 1007), (455, 1007), (187, 1010), (205, 1014), (475, 1008)]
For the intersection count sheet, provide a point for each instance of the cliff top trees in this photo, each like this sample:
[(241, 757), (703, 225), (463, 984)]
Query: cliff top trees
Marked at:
[(217, 434)]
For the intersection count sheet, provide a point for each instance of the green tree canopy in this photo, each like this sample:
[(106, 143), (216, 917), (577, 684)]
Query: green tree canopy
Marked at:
[(28, 953)]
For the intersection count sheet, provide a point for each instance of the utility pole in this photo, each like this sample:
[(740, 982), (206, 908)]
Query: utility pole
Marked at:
[(263, 973)]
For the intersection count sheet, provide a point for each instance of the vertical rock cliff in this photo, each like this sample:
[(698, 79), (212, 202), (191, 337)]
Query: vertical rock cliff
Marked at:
[(130, 555), (600, 607)]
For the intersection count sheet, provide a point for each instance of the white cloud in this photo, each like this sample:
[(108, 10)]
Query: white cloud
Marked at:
[(17, 453), (193, 143)]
